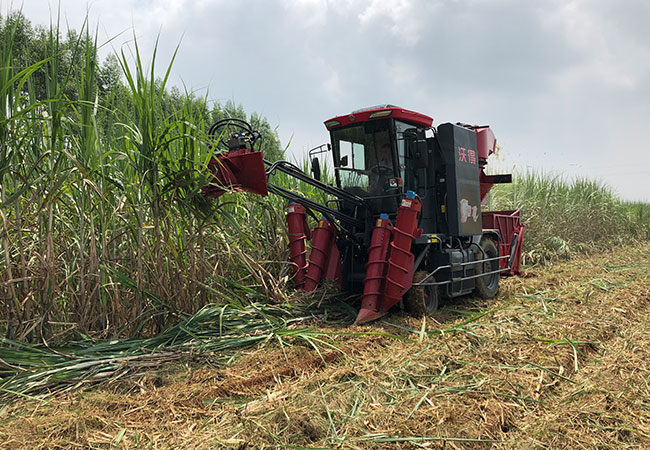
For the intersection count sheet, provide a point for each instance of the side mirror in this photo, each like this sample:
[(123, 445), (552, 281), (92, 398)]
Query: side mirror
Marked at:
[(416, 149), (315, 168), (343, 161), (421, 154)]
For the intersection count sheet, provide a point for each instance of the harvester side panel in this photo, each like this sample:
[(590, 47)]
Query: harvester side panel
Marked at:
[(463, 206)]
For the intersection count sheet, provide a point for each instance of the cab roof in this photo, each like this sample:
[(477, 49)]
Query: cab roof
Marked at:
[(380, 112)]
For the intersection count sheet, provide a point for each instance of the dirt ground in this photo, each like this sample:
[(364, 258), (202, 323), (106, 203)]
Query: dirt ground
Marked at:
[(561, 359)]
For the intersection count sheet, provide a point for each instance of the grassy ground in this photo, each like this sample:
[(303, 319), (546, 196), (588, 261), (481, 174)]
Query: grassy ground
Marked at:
[(560, 360)]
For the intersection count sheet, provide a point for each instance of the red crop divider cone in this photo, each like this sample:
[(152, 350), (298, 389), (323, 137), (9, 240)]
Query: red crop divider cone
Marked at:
[(322, 246), (373, 283), (299, 232), (400, 264), (399, 275)]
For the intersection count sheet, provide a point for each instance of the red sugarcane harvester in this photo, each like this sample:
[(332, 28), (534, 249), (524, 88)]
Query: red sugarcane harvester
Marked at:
[(405, 220)]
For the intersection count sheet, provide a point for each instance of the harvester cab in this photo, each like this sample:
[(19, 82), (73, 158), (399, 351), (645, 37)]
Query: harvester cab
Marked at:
[(404, 225)]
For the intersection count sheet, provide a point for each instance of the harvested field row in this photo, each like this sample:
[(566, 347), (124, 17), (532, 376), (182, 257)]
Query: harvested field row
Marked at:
[(560, 360)]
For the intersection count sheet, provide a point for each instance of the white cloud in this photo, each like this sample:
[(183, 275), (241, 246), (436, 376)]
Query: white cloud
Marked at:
[(332, 85), (402, 18), (306, 13), (611, 54), (564, 84)]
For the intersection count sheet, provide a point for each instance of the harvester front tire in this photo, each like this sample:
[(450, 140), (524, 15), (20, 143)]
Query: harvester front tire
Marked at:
[(487, 286), (422, 301)]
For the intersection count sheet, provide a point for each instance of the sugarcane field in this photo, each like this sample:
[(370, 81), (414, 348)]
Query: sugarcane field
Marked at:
[(332, 272)]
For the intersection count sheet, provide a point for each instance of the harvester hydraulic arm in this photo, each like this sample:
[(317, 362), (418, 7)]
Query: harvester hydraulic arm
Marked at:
[(244, 169), (293, 171)]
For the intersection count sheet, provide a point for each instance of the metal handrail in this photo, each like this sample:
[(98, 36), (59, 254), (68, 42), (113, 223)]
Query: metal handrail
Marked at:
[(457, 280), (453, 280)]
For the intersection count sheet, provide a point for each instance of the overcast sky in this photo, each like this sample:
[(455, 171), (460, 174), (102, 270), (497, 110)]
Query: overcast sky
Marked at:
[(565, 85)]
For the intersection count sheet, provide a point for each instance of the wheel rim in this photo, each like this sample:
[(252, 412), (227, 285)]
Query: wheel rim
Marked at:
[(430, 299), (493, 279), (422, 300)]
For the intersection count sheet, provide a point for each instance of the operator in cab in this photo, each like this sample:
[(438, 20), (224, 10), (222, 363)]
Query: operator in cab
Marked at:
[(380, 167)]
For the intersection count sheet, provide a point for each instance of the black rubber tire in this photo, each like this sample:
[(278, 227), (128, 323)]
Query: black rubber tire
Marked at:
[(422, 300), (487, 286)]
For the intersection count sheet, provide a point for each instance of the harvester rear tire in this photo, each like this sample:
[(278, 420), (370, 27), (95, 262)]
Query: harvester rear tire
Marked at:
[(422, 301), (487, 286)]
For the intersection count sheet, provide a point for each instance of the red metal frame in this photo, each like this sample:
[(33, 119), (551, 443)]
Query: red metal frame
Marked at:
[(508, 223), (238, 170)]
